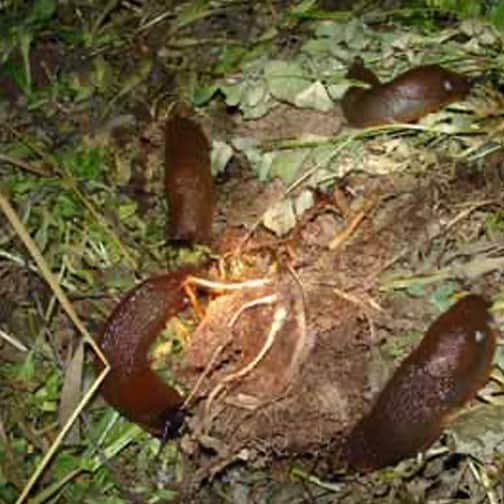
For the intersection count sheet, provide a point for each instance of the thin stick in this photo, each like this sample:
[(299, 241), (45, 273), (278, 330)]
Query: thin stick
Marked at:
[(354, 223), (193, 300), (481, 476), (355, 300), (13, 341), (465, 213), (23, 165)]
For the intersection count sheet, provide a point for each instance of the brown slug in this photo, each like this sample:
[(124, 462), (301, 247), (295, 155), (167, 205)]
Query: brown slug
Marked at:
[(452, 362), (410, 96), (188, 181), (131, 386)]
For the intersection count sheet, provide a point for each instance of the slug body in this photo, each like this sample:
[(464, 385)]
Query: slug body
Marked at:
[(407, 98), (131, 386), (452, 362), (188, 181)]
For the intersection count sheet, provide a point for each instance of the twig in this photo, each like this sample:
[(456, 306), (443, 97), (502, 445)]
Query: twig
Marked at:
[(13, 341), (354, 223), (464, 214), (481, 476), (194, 301), (355, 300), (23, 165)]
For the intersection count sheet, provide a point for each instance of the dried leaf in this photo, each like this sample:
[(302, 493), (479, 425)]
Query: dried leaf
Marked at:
[(71, 393), (280, 218)]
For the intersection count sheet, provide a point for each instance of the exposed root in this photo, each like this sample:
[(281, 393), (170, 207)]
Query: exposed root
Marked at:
[(193, 300), (301, 348), (272, 298), (279, 318), (253, 283), (206, 372), (208, 368)]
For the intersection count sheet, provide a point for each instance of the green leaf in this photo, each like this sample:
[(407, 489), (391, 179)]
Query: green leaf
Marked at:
[(25, 40), (233, 93), (355, 36), (318, 47), (497, 15), (229, 59), (101, 75), (17, 73), (285, 80), (315, 97), (85, 164), (304, 201), (43, 10), (27, 370), (255, 100), (416, 289), (302, 8), (441, 297), (65, 463), (286, 164), (331, 30), (202, 94), (66, 206), (47, 397), (127, 210), (192, 11)]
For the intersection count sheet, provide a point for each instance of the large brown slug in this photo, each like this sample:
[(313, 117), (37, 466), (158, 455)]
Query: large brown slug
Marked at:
[(407, 98), (131, 386), (188, 181), (452, 362)]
